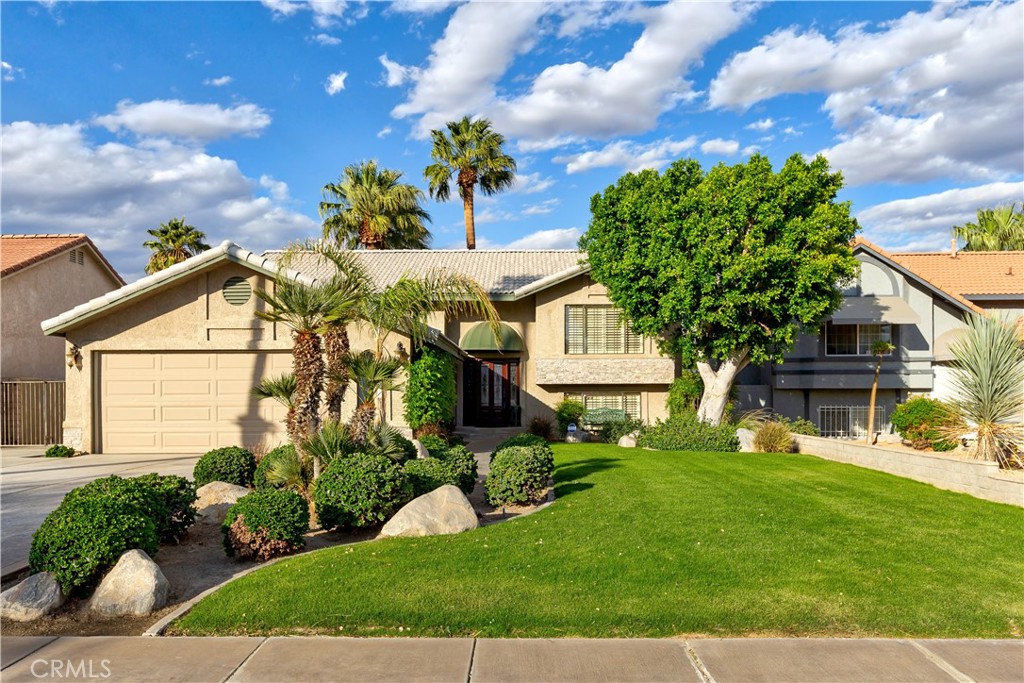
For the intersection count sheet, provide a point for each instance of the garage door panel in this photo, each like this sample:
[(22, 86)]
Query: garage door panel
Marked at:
[(186, 402)]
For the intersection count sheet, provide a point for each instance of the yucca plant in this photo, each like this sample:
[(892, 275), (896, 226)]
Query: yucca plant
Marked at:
[(988, 379)]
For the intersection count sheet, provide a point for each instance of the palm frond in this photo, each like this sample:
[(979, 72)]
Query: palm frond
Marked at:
[(280, 388), (330, 442), (383, 439)]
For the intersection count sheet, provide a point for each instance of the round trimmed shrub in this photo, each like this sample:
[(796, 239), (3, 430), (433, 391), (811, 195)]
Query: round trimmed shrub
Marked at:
[(524, 439), (427, 474), (360, 491), (435, 445), (138, 494), (519, 474), (461, 464), (773, 437), (265, 524), (59, 451), (234, 465), (179, 497), (569, 411), (923, 421), (259, 477), (86, 535)]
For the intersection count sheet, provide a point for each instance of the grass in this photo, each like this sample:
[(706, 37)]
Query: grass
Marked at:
[(643, 543)]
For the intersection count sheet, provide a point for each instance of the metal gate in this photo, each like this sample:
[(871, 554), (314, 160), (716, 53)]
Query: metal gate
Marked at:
[(33, 413)]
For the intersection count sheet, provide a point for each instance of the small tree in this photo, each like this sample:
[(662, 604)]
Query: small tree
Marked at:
[(725, 267), (173, 242), (879, 349)]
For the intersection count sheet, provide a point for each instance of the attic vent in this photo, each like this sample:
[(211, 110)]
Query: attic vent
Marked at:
[(76, 256), (237, 291)]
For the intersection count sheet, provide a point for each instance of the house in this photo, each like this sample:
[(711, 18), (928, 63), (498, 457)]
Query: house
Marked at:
[(40, 276), (918, 302), (167, 363)]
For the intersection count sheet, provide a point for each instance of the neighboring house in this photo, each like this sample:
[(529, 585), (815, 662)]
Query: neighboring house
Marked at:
[(40, 276), (168, 362), (917, 301)]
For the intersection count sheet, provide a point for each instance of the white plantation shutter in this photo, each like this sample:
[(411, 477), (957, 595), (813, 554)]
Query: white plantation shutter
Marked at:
[(627, 402), (597, 330), (574, 330)]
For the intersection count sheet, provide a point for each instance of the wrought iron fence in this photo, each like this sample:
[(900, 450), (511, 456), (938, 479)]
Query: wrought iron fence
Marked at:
[(850, 422), (32, 413)]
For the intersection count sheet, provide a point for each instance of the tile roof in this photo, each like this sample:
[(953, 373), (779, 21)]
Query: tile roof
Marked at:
[(21, 251), (969, 273), (500, 272)]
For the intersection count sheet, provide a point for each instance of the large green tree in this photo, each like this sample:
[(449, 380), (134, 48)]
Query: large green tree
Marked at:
[(725, 267), (368, 206), (173, 242), (998, 229), (471, 152)]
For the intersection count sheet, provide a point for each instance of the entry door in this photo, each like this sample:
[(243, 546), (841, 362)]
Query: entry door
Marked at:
[(499, 394)]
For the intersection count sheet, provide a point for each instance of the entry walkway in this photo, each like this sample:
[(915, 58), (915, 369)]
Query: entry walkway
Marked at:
[(31, 486), (140, 660)]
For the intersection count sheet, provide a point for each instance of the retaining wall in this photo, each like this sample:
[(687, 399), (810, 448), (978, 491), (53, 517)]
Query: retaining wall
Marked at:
[(978, 478)]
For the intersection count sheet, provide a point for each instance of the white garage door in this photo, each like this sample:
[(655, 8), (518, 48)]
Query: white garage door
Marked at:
[(187, 402)]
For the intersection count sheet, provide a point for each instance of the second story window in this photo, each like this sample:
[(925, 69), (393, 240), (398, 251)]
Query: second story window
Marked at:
[(854, 340), (597, 329)]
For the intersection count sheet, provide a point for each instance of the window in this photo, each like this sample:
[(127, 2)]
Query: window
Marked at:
[(854, 340), (627, 402), (599, 329)]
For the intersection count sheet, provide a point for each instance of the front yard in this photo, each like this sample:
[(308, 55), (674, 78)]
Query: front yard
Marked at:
[(642, 543)]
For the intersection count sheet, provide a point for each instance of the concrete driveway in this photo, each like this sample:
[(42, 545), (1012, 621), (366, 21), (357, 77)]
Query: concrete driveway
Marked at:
[(31, 486)]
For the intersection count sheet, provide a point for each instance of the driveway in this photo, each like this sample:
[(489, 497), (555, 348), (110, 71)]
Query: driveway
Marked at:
[(31, 486)]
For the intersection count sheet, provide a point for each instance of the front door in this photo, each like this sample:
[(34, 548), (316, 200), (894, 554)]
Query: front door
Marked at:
[(498, 394)]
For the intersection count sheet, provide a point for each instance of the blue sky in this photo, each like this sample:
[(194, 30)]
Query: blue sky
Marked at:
[(119, 116)]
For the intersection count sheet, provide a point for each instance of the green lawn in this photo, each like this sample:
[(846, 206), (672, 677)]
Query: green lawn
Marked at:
[(643, 543)]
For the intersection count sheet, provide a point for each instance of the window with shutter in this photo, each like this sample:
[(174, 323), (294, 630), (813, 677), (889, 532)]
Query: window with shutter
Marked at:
[(616, 401), (598, 330)]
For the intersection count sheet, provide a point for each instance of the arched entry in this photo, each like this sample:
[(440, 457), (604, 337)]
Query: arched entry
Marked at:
[(492, 377)]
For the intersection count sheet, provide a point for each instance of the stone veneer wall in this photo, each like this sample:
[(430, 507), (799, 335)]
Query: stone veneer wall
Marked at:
[(978, 478)]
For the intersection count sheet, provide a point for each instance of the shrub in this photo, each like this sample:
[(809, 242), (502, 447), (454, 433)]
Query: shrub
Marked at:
[(259, 477), (773, 437), (179, 497), (333, 440), (383, 439), (523, 439), (925, 422), (435, 445), (234, 465), (461, 464), (264, 524), (133, 492), (427, 474), (442, 431), (519, 474), (430, 394), (800, 426), (684, 432), (611, 432), (569, 411), (542, 426), (59, 451), (684, 393), (86, 535), (359, 491)]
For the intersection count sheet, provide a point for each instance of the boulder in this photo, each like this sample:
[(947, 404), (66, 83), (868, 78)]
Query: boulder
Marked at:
[(445, 510), (746, 437), (421, 450), (629, 440), (214, 499), (135, 586), (35, 597)]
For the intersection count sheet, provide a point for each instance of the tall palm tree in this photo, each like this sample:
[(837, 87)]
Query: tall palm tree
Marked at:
[(471, 152), (173, 242), (999, 229), (368, 206)]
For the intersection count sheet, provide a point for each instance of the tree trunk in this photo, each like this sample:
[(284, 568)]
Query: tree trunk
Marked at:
[(308, 366), (870, 438), (336, 345), (467, 209), (362, 420), (717, 386)]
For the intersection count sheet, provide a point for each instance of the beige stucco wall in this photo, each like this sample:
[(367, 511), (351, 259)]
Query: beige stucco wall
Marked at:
[(42, 291)]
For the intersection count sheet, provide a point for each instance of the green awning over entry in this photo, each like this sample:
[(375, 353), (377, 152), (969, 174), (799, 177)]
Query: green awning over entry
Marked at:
[(480, 338)]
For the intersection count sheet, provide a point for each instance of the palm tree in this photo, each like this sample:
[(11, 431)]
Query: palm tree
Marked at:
[(880, 348), (988, 372), (370, 207), (372, 375), (282, 390), (999, 229), (174, 242), (471, 152)]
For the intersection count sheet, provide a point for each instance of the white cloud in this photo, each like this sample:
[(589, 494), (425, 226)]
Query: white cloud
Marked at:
[(493, 215), (630, 156), (326, 39), (548, 144), (545, 207), (926, 222), (384, 132), (326, 13), (791, 132), (10, 72), (185, 120), (55, 178), (720, 146), (278, 188), (761, 125), (335, 83), (557, 238), (750, 150), (218, 82), (931, 94), (394, 73), (532, 183), (421, 6)]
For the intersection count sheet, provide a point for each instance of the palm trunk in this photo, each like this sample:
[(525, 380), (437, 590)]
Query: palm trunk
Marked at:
[(717, 386), (870, 438), (308, 366), (467, 209), (362, 420), (336, 346)]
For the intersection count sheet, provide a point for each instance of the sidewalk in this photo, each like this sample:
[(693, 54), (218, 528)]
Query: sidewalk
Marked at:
[(139, 660)]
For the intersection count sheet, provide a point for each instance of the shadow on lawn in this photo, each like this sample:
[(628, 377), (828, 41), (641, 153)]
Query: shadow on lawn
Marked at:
[(567, 476)]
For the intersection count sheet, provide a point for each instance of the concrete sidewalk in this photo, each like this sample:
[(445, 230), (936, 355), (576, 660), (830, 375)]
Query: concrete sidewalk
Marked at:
[(139, 660)]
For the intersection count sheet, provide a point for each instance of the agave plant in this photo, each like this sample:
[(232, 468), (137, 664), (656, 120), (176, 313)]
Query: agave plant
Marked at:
[(988, 377)]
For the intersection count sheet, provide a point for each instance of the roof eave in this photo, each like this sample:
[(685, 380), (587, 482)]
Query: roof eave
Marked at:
[(547, 282), (950, 297)]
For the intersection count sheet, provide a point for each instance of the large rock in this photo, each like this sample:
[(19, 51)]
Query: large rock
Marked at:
[(214, 499), (35, 597), (629, 440), (746, 437), (442, 511), (135, 586)]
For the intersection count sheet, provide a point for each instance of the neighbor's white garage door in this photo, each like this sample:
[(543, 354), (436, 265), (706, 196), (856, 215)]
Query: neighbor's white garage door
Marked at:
[(188, 402)]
